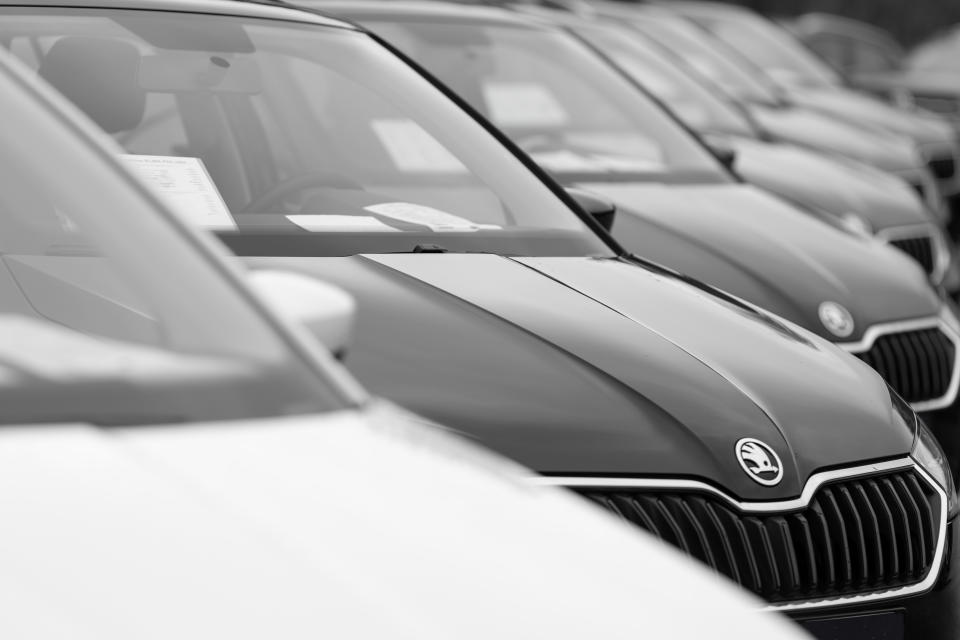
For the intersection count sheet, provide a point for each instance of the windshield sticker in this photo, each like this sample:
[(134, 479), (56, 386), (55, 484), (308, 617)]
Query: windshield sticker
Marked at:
[(434, 219), (186, 187), (572, 162), (523, 104), (413, 149), (566, 161), (339, 223)]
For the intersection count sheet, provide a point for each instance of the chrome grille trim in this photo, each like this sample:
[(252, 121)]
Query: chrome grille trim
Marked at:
[(876, 331), (809, 490)]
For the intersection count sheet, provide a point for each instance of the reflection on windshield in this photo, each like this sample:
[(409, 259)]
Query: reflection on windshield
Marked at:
[(108, 314), (707, 59), (573, 114), (663, 77), (281, 129), (774, 50)]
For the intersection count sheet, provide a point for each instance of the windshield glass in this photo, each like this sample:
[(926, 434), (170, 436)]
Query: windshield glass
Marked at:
[(293, 138), (574, 114), (707, 59), (659, 73), (108, 313), (772, 49)]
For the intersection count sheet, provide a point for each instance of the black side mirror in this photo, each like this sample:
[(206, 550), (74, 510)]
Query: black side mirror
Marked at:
[(602, 210), (723, 152)]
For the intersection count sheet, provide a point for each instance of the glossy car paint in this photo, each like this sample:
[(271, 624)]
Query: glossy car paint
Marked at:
[(255, 528), (558, 351)]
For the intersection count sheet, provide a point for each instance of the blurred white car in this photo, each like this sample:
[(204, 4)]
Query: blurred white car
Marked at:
[(176, 462)]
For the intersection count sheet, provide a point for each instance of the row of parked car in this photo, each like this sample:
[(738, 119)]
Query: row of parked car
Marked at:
[(677, 288)]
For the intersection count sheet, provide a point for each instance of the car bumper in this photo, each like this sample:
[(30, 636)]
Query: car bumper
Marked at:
[(934, 615)]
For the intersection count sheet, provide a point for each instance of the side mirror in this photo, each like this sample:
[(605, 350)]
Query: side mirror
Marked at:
[(327, 311), (602, 209), (722, 151)]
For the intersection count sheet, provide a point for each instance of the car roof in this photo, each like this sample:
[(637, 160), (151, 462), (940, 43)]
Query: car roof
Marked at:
[(240, 8), (423, 9)]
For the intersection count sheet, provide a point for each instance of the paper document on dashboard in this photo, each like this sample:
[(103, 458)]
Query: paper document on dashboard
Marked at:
[(185, 185)]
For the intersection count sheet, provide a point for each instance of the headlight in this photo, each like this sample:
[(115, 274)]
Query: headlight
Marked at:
[(941, 256), (856, 224), (928, 454), (926, 451), (949, 316)]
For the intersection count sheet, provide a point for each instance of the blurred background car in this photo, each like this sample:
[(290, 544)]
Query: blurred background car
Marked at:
[(772, 109), (176, 461), (859, 196), (591, 129), (487, 300), (869, 57), (809, 82)]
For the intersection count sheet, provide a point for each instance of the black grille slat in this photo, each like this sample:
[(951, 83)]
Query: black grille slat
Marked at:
[(903, 536), (920, 248), (918, 364), (827, 556), (854, 536)]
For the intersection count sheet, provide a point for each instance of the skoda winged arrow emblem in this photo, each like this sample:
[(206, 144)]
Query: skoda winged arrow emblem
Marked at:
[(836, 319), (760, 461)]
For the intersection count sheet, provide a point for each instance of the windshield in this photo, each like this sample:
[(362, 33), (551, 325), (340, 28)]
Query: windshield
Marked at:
[(772, 49), (707, 59), (659, 73), (574, 114), (294, 139), (108, 313)]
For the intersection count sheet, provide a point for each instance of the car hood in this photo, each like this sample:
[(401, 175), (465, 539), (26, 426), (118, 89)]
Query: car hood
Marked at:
[(350, 525), (861, 109), (762, 249), (838, 186), (826, 133), (602, 367)]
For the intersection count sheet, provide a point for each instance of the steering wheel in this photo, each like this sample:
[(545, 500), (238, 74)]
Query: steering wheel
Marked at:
[(300, 183)]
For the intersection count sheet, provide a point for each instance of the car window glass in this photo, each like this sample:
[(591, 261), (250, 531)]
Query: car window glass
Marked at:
[(692, 102), (558, 101), (109, 314), (301, 130), (774, 50)]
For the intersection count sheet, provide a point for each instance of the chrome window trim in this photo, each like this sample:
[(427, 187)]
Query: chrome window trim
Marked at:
[(810, 488), (872, 333), (941, 259)]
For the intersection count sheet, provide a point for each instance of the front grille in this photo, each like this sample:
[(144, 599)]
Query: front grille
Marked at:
[(855, 536), (920, 248), (918, 364), (942, 168)]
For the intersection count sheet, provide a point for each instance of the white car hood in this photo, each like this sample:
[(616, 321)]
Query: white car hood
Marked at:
[(352, 525)]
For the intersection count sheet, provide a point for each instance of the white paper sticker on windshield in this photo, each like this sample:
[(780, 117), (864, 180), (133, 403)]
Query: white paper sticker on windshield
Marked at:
[(523, 104), (435, 219), (413, 149), (339, 223), (185, 185)]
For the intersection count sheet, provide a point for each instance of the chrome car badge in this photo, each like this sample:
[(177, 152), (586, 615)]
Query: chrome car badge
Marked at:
[(836, 319), (760, 461)]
